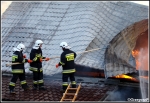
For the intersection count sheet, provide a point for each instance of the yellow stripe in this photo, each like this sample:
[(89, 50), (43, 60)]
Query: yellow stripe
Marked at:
[(65, 84), (23, 82), (62, 63), (35, 82), (41, 69), (12, 84), (73, 82), (33, 69), (35, 59), (40, 81), (70, 57), (23, 61), (14, 57), (69, 71), (38, 55), (17, 70)]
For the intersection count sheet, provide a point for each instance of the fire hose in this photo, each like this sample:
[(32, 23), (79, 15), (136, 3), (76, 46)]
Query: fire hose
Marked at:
[(56, 56)]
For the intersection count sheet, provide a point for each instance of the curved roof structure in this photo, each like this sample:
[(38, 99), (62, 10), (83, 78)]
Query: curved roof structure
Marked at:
[(111, 26)]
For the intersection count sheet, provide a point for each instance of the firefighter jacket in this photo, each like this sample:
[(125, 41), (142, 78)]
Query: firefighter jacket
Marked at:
[(18, 57), (35, 56), (67, 61)]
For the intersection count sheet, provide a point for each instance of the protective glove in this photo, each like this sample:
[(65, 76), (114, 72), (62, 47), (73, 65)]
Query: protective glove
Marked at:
[(24, 56), (41, 60), (47, 59), (57, 65), (29, 61)]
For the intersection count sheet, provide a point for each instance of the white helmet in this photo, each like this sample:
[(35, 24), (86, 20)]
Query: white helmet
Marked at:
[(64, 45), (37, 44), (20, 47)]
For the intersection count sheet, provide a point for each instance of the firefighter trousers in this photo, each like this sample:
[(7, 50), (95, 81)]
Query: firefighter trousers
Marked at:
[(13, 81), (65, 77), (38, 79)]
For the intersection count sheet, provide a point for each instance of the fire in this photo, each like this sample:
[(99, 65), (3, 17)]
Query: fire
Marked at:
[(123, 76), (140, 51), (126, 77), (135, 54)]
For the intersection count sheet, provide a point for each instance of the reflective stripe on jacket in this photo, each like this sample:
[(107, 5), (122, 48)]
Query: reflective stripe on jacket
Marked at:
[(69, 71), (35, 69), (17, 71), (36, 55), (67, 61), (18, 57)]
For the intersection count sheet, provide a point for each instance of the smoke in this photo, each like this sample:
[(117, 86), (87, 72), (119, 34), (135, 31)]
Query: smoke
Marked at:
[(123, 93), (142, 60), (115, 96), (4, 6), (142, 48)]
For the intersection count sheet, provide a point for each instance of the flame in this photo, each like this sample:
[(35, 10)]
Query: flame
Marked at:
[(140, 51), (135, 54), (126, 77)]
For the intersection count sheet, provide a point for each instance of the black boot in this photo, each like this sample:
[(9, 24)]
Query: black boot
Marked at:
[(34, 88), (73, 86), (12, 92), (42, 88), (62, 91), (27, 88)]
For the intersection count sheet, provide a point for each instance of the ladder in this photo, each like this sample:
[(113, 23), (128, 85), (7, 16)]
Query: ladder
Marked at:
[(74, 94)]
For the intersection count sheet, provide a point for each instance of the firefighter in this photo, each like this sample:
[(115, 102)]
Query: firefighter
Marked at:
[(18, 70), (67, 62), (36, 65)]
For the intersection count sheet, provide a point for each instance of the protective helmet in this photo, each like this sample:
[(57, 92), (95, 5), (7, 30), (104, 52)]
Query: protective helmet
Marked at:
[(37, 44), (20, 47), (64, 45)]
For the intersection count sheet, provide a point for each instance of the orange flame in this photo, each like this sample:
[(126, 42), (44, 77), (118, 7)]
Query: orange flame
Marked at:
[(126, 77), (140, 51), (135, 54)]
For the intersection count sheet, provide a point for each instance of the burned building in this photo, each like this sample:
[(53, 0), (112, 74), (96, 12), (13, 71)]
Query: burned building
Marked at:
[(113, 27)]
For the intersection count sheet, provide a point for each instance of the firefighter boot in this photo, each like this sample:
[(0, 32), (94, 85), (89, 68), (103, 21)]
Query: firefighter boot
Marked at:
[(12, 92), (34, 87), (62, 91), (42, 88), (27, 88), (73, 86)]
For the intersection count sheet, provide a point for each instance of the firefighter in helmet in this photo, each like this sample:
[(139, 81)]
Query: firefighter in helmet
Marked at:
[(36, 65), (18, 70), (67, 62)]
